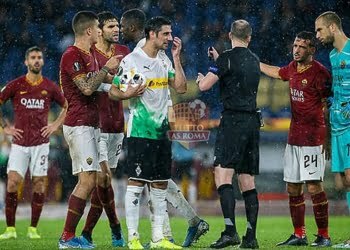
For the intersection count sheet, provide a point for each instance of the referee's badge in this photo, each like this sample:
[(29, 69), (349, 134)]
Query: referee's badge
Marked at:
[(304, 82)]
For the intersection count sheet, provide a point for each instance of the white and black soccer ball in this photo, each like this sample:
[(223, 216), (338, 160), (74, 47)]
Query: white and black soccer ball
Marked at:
[(131, 78)]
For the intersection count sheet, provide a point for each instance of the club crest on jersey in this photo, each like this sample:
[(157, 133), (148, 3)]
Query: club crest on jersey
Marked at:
[(44, 92), (76, 66), (304, 82), (89, 160), (342, 64)]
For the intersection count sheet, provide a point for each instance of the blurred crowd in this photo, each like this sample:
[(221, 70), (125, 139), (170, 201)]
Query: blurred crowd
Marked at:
[(200, 24)]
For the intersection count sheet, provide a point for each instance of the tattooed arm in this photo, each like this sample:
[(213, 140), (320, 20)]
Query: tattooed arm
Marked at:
[(88, 86)]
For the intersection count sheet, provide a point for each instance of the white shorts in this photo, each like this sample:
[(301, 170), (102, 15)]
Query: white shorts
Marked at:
[(303, 163), (110, 148), (36, 157), (83, 147)]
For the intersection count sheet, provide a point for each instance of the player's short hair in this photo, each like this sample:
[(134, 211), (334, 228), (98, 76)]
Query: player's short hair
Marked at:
[(136, 17), (155, 24), (31, 49), (307, 35), (83, 20), (241, 29), (330, 17), (105, 16)]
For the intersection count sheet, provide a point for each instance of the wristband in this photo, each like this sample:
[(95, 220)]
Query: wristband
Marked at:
[(105, 69)]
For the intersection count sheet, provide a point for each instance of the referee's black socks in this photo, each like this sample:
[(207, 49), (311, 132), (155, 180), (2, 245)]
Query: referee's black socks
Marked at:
[(228, 204), (251, 208)]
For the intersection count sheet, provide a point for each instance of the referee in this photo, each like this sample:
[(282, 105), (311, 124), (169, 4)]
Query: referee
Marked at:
[(237, 142)]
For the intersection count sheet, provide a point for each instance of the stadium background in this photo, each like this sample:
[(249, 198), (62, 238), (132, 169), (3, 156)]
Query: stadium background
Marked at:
[(200, 24)]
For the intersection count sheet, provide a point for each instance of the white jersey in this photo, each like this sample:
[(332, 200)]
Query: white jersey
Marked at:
[(164, 57), (149, 112)]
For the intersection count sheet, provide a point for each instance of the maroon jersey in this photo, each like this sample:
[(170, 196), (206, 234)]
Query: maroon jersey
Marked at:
[(31, 103), (111, 112), (308, 88), (82, 109)]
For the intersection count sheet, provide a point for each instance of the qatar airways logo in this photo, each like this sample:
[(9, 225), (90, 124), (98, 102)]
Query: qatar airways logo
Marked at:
[(297, 95), (31, 103)]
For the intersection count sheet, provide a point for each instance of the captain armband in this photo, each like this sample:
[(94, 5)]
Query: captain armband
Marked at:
[(105, 69), (213, 69)]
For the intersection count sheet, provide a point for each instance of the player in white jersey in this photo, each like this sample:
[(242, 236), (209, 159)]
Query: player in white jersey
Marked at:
[(149, 156), (132, 26)]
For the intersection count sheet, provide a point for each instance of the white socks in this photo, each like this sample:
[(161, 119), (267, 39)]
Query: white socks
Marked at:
[(132, 210), (158, 203), (176, 198)]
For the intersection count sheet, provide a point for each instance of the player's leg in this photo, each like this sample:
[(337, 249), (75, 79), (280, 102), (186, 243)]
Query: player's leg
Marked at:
[(132, 212), (343, 170), (247, 168), (251, 202), (158, 172), (158, 201), (93, 216), (320, 208), (82, 142), (16, 170), (346, 183), (105, 189), (103, 194), (341, 163), (135, 162), (106, 195), (197, 226), (291, 175), (38, 169), (297, 214), (223, 181), (227, 152)]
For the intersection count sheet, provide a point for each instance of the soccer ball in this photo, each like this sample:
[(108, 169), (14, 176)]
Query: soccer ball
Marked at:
[(132, 78)]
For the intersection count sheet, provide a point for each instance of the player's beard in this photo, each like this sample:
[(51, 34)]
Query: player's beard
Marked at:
[(111, 40), (35, 70)]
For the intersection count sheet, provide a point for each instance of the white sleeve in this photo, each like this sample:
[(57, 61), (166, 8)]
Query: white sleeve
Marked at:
[(104, 87)]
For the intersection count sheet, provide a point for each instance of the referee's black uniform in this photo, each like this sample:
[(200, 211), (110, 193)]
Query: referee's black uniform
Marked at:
[(237, 143)]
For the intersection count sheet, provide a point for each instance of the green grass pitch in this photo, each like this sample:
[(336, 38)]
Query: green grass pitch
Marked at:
[(271, 230)]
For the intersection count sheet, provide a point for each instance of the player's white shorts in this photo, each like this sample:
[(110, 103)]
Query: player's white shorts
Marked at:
[(36, 157), (303, 163), (83, 147), (110, 148)]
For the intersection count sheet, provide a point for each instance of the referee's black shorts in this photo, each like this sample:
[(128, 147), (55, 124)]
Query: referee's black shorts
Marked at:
[(149, 160), (237, 142)]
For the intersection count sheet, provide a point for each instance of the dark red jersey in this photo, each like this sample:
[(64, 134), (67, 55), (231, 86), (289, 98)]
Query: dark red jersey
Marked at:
[(308, 88), (110, 111), (82, 109), (31, 103)]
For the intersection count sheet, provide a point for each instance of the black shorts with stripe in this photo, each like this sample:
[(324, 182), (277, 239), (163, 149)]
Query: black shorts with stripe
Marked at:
[(237, 142), (149, 160)]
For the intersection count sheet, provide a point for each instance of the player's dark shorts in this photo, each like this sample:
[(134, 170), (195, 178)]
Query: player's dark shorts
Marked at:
[(149, 160), (237, 142)]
